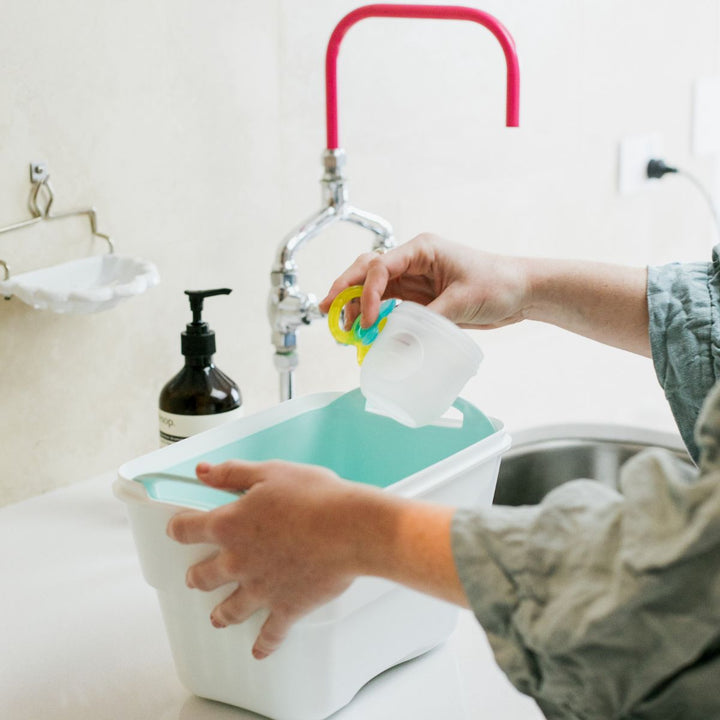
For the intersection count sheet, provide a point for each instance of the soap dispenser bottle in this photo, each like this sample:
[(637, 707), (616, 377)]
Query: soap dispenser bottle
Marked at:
[(200, 396)]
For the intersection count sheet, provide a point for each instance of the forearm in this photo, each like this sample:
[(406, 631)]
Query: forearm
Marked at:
[(406, 541), (600, 301)]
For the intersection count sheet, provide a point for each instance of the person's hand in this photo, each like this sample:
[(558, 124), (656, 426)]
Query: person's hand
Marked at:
[(287, 542), (472, 288)]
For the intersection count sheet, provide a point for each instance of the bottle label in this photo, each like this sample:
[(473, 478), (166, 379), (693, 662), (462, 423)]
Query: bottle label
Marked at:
[(175, 427)]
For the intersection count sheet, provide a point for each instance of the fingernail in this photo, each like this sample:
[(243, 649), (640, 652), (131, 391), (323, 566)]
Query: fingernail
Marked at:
[(202, 468), (216, 623), (170, 532), (259, 654)]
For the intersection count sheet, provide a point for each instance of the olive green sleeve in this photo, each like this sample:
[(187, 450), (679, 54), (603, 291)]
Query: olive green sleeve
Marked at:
[(683, 304), (602, 604)]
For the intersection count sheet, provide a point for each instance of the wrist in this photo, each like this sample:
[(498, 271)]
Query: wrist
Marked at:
[(542, 281), (369, 520), (406, 541)]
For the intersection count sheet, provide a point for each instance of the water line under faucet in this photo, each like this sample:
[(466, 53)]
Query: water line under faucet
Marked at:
[(430, 12)]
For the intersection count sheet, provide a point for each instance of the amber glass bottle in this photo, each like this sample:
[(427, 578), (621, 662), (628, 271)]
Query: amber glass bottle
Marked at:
[(200, 396)]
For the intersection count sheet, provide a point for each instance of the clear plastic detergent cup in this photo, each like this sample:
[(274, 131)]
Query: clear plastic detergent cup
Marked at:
[(417, 366)]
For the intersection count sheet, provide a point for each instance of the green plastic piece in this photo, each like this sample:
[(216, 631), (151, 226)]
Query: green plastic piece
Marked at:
[(190, 493)]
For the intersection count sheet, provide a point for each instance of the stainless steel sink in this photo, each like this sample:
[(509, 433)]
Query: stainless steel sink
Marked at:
[(543, 458)]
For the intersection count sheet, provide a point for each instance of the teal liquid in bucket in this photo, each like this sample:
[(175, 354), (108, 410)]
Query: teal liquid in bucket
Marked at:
[(343, 437), (355, 444)]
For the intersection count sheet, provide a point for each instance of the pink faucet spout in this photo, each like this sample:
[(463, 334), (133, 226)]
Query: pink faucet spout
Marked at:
[(432, 12)]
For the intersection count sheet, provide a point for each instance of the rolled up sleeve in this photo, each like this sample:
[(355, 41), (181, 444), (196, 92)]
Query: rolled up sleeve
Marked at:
[(604, 604), (683, 301)]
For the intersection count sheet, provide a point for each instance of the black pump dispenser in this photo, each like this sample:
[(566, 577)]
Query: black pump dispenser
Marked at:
[(200, 396), (198, 340)]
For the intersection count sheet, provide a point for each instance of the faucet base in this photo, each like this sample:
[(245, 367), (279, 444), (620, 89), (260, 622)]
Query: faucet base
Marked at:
[(285, 364)]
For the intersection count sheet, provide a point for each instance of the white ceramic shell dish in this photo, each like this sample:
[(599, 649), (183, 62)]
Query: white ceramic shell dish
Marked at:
[(82, 286)]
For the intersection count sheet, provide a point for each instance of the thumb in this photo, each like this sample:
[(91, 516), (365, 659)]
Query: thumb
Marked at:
[(232, 474)]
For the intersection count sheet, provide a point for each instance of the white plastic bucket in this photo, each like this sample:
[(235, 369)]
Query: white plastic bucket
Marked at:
[(375, 624)]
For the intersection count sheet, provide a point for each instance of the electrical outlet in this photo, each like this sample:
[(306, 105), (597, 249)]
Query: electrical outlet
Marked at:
[(634, 153), (706, 116)]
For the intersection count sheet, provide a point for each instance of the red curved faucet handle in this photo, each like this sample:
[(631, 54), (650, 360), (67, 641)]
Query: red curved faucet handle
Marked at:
[(433, 12)]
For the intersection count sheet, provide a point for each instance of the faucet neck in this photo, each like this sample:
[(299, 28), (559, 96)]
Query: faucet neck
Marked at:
[(334, 191)]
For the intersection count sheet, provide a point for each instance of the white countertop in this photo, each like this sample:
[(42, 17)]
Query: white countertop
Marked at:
[(82, 638)]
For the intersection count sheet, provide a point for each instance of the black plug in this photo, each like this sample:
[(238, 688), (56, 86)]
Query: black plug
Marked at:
[(657, 168)]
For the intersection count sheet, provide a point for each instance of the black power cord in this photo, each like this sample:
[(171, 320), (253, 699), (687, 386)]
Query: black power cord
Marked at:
[(657, 168)]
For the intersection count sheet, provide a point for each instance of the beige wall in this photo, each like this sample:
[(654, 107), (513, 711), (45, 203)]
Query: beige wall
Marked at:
[(196, 129)]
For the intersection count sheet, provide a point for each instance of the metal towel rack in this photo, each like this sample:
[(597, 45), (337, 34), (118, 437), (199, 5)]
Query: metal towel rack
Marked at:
[(40, 179)]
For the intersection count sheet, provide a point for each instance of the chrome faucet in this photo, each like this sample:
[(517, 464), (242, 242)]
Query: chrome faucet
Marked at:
[(289, 307)]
